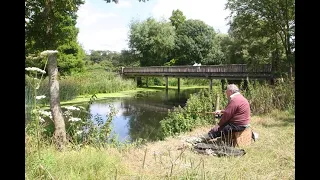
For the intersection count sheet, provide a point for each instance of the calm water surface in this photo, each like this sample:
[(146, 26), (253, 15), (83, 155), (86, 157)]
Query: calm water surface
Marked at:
[(139, 116)]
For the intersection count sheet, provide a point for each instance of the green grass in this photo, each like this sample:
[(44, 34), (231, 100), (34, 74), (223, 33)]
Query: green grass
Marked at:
[(272, 156), (88, 163), (127, 93)]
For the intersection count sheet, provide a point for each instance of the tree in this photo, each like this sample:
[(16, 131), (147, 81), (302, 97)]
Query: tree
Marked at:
[(177, 18), (129, 58), (194, 42), (71, 58), (60, 136), (153, 40), (117, 1), (216, 54), (49, 25), (271, 19)]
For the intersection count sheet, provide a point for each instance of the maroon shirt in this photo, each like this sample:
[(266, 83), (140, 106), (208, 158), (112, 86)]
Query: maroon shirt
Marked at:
[(237, 111)]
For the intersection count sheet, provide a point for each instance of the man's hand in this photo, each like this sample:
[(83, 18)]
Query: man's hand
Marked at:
[(218, 112), (215, 128)]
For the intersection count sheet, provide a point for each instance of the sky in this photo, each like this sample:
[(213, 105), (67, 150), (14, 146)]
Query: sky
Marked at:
[(105, 26)]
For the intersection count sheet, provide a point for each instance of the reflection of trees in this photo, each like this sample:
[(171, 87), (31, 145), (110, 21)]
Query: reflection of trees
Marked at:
[(145, 111), (145, 124)]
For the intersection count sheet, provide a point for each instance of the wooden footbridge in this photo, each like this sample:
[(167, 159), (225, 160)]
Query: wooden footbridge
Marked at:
[(229, 72)]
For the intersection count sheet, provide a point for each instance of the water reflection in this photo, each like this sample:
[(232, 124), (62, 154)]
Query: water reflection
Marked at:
[(139, 116)]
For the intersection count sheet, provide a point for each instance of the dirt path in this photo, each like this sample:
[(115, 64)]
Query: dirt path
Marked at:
[(158, 158)]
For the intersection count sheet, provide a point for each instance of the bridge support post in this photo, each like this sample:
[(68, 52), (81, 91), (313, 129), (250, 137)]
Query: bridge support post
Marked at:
[(178, 84), (167, 94), (223, 82), (210, 84), (166, 77), (139, 81), (147, 81)]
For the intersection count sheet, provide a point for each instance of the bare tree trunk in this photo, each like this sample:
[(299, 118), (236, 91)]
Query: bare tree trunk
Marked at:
[(60, 131)]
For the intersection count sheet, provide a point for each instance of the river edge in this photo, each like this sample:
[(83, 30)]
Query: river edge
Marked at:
[(127, 93)]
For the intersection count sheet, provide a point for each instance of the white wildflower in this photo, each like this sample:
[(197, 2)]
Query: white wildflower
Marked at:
[(72, 108), (73, 119), (45, 113), (67, 113), (41, 119), (43, 53), (33, 57), (35, 69), (79, 132), (40, 97)]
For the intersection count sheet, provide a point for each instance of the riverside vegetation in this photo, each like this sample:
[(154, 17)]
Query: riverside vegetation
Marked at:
[(92, 154), (261, 32)]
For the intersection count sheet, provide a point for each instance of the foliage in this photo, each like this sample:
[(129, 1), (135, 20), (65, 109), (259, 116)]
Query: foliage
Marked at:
[(51, 25), (117, 1), (264, 27), (129, 58), (152, 40), (70, 58), (194, 42), (276, 129), (92, 82), (177, 18), (263, 99), (193, 114)]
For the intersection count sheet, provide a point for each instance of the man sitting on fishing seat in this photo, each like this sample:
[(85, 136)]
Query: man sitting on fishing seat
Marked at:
[(235, 117)]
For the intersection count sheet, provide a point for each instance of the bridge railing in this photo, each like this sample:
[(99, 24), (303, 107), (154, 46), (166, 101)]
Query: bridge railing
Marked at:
[(239, 68)]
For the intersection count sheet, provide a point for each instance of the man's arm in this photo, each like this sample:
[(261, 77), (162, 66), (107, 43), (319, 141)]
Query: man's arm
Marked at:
[(228, 113)]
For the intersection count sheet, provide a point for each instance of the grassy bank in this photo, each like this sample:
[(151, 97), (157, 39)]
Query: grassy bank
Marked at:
[(91, 82), (126, 93), (272, 156)]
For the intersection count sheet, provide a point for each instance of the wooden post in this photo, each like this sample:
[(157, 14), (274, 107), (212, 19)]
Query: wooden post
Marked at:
[(222, 85), (210, 84), (167, 95), (147, 81), (178, 84), (216, 106), (139, 81), (59, 124), (166, 77)]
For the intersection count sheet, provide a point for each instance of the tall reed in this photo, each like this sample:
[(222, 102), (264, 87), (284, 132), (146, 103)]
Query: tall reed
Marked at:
[(263, 99), (92, 82)]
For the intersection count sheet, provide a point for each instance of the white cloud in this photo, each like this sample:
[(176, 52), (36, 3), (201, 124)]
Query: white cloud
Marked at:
[(104, 26), (210, 11), (88, 15), (105, 39), (99, 29), (124, 4)]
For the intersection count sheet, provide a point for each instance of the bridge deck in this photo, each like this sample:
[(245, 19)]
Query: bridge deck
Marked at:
[(232, 71)]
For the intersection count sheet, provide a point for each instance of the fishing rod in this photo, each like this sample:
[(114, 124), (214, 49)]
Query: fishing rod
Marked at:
[(206, 112)]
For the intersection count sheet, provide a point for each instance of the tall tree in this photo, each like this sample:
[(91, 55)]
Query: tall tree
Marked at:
[(274, 19), (194, 42), (177, 18), (51, 24), (153, 40)]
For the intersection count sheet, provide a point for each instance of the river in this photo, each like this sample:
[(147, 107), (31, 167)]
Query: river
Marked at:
[(138, 117)]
